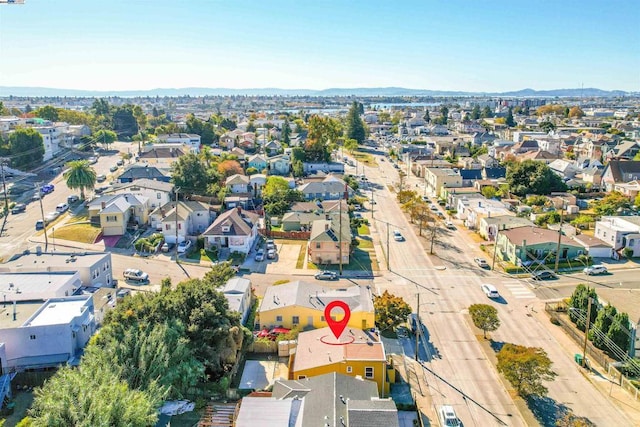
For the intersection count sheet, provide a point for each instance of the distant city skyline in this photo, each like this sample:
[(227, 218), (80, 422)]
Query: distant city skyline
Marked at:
[(472, 46)]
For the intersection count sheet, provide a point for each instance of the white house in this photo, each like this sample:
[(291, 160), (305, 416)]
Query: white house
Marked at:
[(238, 183), (192, 219), (189, 139), (94, 268), (237, 291), (51, 138), (44, 334), (235, 230), (158, 192), (621, 232)]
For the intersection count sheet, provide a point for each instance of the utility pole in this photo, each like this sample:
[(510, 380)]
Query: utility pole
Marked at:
[(340, 228), (418, 326), (559, 240), (372, 203), (44, 223), (388, 258), (176, 225), (586, 334), (6, 197)]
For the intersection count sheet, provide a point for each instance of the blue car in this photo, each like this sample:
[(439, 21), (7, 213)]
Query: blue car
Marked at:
[(47, 188)]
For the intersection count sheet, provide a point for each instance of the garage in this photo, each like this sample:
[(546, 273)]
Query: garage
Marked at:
[(593, 246)]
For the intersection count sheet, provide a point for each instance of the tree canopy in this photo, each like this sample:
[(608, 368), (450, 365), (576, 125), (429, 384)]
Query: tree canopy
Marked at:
[(190, 174), (579, 303), (525, 368), (354, 125), (26, 148), (610, 203), (80, 176), (485, 317), (533, 177), (391, 311)]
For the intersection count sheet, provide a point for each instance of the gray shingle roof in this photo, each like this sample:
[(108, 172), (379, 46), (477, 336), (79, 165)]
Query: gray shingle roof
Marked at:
[(240, 223), (315, 296)]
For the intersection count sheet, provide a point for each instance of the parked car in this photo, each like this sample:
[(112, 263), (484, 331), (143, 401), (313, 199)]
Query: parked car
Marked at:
[(482, 263), (490, 290), (448, 417), (120, 162), (595, 269), (271, 254), (543, 275), (40, 225), (101, 178), (62, 207), (92, 160), (167, 247), (326, 275), (270, 244), (449, 225), (113, 168), (259, 255), (122, 293), (72, 199), (36, 196), (50, 216), (135, 275), (184, 246), (397, 236), (18, 208)]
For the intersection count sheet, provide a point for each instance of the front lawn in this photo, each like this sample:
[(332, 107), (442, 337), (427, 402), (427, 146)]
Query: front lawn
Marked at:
[(77, 232), (203, 255)]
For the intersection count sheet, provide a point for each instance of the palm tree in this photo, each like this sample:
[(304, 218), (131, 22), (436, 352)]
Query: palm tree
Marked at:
[(80, 175)]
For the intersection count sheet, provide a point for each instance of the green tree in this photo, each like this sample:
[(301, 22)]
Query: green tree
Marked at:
[(525, 368), (445, 114), (47, 112), (125, 124), (475, 112), (603, 322), (485, 317), (426, 117), (190, 174), (351, 145), (578, 304), (105, 137), (286, 132), (533, 177), (619, 331), (276, 187), (486, 112), (26, 148), (547, 126), (297, 169), (4, 111), (610, 203), (323, 132), (80, 176), (509, 121), (489, 191), (391, 311), (354, 125), (101, 107), (576, 112)]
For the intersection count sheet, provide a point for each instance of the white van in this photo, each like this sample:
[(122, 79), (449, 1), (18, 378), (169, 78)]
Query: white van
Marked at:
[(490, 291)]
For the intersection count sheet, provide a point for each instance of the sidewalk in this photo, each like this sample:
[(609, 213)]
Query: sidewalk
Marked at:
[(597, 375)]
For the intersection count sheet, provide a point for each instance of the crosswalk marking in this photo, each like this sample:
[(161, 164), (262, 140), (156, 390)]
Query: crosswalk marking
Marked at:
[(518, 290)]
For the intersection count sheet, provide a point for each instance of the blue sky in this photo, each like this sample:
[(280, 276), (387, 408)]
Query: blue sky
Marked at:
[(471, 45)]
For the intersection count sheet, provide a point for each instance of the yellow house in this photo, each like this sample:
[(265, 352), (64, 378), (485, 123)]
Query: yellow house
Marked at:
[(360, 354), (301, 304), (116, 213)]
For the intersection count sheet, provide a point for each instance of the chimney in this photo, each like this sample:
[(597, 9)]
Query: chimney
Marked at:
[(326, 227), (14, 311), (239, 208), (103, 204)]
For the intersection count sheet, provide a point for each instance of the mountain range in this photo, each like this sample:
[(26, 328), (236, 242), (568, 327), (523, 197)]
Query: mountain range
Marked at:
[(18, 91)]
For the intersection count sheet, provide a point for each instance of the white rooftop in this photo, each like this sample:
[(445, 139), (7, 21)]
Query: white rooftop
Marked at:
[(46, 259), (59, 311), (30, 286)]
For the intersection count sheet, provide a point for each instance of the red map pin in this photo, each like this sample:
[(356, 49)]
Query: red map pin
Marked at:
[(337, 327)]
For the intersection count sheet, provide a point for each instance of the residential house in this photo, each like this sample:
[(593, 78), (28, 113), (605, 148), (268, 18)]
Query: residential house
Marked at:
[(312, 167), (237, 291), (469, 163), (483, 137), (360, 354), (160, 155), (158, 192), (540, 156), (469, 126), (190, 218), (35, 284), (272, 148), (256, 184), (36, 334), (525, 146), (309, 401), (94, 268), (136, 172), (626, 150), (520, 136), (235, 230), (330, 240), (494, 173), (629, 189), (534, 245), (188, 139), (280, 165), (620, 171), (330, 188), (300, 221), (593, 246), (240, 153), (563, 168), (227, 141), (592, 175), (490, 226), (238, 183), (118, 212), (470, 176), (472, 209), (620, 232), (257, 161), (301, 304), (438, 178)]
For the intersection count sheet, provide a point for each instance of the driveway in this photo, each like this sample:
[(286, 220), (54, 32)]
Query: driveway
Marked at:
[(286, 259)]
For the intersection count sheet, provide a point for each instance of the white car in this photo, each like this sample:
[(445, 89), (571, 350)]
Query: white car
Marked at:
[(51, 216), (62, 207), (271, 253), (259, 255), (449, 225), (490, 290), (397, 236), (184, 246), (482, 263), (595, 269), (135, 275), (448, 417)]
